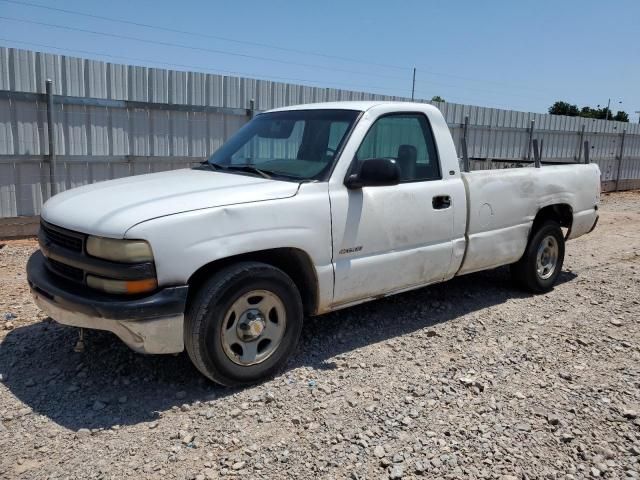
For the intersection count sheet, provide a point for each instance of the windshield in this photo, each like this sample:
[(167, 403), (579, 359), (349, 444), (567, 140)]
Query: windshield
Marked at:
[(295, 144)]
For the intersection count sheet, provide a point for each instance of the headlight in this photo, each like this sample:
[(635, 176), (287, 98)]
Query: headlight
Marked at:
[(121, 286), (125, 251)]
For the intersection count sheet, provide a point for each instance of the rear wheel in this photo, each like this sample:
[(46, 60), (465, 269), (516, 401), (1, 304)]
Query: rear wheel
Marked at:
[(541, 264), (243, 324)]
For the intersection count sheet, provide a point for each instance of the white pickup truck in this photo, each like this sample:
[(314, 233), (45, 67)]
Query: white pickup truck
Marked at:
[(306, 210)]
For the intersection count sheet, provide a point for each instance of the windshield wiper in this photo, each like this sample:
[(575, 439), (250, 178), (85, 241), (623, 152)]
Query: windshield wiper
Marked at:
[(212, 166), (246, 168), (243, 168)]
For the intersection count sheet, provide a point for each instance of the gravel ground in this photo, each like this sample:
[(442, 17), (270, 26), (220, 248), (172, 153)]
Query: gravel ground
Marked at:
[(468, 379)]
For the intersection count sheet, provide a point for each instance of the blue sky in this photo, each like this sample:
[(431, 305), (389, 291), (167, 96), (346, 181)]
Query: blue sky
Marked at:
[(508, 54)]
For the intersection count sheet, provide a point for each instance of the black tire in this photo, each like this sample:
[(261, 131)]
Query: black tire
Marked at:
[(525, 272), (206, 313)]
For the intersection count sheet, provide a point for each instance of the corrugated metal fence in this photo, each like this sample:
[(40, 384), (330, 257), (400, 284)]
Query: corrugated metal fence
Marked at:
[(113, 120)]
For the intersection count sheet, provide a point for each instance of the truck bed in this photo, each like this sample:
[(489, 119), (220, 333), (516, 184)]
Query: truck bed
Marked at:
[(501, 206)]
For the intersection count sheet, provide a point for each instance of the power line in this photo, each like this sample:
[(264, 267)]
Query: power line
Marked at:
[(460, 99), (191, 66), (205, 49), (255, 75), (420, 93), (190, 47), (206, 35), (421, 69)]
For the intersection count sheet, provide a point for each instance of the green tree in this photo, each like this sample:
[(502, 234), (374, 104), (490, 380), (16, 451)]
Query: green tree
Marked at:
[(621, 116), (604, 113), (437, 98), (564, 108), (589, 112)]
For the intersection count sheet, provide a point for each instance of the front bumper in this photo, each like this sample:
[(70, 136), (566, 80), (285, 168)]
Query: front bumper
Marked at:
[(149, 324)]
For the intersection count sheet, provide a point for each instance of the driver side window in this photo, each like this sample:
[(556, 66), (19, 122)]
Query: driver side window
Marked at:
[(408, 139)]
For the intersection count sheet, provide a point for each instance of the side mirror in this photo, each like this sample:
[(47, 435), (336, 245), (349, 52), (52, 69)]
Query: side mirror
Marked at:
[(375, 172)]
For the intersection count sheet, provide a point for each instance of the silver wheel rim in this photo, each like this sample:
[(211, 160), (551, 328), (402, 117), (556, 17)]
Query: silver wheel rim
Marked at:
[(253, 327), (547, 257)]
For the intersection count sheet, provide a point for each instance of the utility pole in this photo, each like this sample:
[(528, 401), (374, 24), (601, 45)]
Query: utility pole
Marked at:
[(413, 85)]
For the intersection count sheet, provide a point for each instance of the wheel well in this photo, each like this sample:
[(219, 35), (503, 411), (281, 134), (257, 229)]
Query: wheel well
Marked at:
[(292, 261), (561, 213)]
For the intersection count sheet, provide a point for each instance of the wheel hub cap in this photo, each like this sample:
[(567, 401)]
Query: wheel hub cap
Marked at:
[(253, 327), (547, 257)]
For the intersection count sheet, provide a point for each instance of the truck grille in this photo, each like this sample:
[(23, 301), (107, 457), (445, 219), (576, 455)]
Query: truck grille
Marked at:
[(63, 238), (65, 257), (67, 271)]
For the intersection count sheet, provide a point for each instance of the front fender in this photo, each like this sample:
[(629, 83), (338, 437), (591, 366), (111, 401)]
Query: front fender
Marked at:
[(185, 242)]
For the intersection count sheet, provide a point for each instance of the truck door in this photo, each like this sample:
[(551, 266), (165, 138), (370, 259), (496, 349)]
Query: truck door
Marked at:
[(391, 238)]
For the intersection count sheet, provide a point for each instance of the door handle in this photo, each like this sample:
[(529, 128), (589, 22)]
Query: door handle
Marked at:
[(441, 202)]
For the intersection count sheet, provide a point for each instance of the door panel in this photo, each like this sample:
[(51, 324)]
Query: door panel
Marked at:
[(390, 238), (394, 237)]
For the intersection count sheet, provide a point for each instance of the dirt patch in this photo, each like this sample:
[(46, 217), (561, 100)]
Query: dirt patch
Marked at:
[(468, 379)]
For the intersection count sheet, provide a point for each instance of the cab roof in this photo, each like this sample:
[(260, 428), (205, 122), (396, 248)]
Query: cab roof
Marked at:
[(360, 106)]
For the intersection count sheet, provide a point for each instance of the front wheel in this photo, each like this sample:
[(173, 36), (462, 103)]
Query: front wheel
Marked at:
[(541, 264), (243, 324)]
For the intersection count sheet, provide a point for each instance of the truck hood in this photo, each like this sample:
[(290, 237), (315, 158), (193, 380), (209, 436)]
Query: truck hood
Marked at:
[(110, 208)]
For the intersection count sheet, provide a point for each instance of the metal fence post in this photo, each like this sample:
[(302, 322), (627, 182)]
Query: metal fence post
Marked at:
[(528, 156), (250, 114), (586, 151), (252, 108), (52, 143), (536, 153), (580, 143), (624, 133), (465, 153)]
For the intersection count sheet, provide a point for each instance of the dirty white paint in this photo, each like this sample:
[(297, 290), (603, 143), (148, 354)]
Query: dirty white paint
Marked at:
[(184, 242), (363, 243), (405, 241), (160, 335), (110, 208), (503, 204)]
